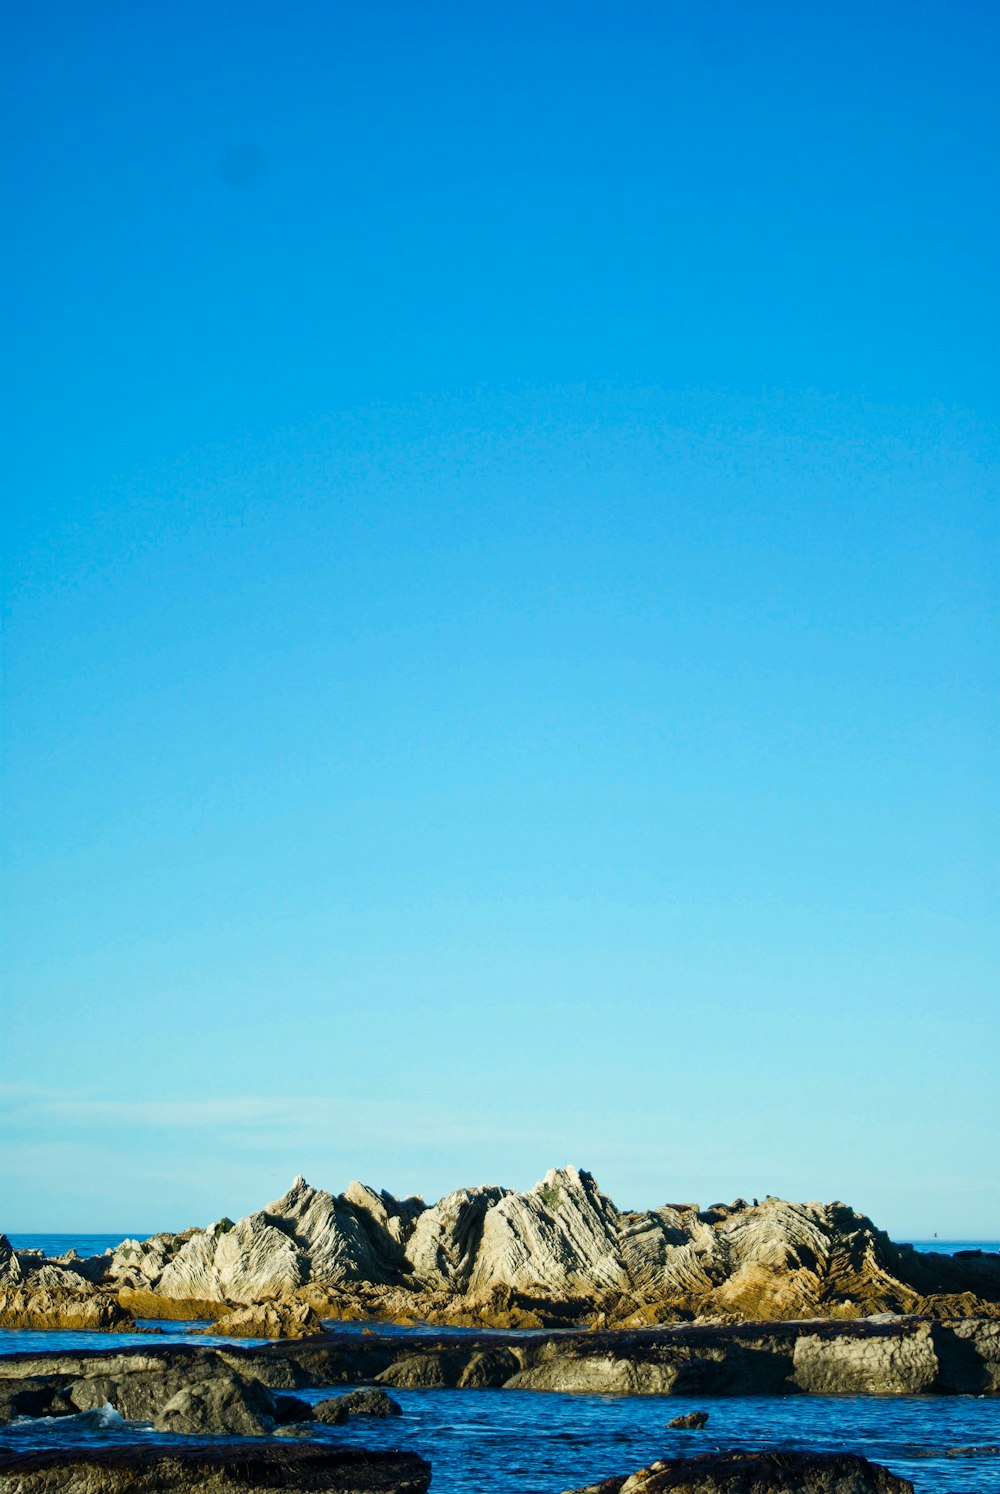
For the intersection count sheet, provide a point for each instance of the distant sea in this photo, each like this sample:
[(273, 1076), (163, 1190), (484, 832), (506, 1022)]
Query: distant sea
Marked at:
[(97, 1244)]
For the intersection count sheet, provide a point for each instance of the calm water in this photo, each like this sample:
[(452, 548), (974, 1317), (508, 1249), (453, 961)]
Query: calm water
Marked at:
[(523, 1442)]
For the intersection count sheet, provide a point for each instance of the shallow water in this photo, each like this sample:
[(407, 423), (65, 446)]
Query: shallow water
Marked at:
[(525, 1442)]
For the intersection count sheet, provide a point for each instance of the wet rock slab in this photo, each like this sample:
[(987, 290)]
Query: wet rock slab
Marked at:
[(239, 1468), (757, 1473), (904, 1356)]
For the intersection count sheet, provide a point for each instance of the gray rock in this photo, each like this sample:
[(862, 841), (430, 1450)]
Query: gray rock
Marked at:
[(11, 1273), (330, 1412), (370, 1403), (559, 1238), (489, 1369), (225, 1405)]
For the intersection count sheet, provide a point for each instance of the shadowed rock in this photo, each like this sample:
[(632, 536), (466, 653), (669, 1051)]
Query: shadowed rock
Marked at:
[(224, 1405), (240, 1468), (757, 1473), (905, 1356)]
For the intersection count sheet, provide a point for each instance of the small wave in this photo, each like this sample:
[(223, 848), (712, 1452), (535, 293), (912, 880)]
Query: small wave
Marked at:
[(101, 1419)]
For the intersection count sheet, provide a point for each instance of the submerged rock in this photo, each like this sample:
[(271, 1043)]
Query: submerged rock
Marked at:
[(239, 1468), (693, 1422), (370, 1403), (757, 1473)]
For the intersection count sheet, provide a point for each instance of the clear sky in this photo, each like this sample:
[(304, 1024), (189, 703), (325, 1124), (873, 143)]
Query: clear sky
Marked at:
[(501, 590)]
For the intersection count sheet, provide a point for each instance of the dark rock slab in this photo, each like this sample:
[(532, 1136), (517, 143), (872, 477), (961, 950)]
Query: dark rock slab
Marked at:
[(758, 1473), (239, 1468)]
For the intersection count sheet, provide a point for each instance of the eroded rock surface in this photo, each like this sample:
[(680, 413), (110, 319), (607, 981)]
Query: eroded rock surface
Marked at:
[(240, 1468), (757, 1473), (904, 1357), (560, 1252), (52, 1307)]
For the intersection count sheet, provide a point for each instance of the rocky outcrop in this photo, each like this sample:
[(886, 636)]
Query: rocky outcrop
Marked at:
[(445, 1242), (11, 1272), (280, 1319), (903, 1357), (54, 1307), (562, 1251), (757, 1473), (239, 1468)]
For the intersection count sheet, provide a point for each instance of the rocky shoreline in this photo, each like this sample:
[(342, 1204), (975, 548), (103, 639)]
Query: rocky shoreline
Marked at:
[(906, 1356), (559, 1255)]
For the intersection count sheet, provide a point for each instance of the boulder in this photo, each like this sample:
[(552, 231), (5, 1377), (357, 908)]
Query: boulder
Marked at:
[(225, 1404), (370, 1403), (280, 1319), (692, 1422), (900, 1361), (330, 1412), (292, 1409)]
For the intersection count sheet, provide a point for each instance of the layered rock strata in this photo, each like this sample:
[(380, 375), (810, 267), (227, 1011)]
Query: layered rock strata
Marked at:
[(560, 1252)]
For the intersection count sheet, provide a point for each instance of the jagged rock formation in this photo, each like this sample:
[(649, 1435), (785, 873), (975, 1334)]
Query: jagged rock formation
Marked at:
[(757, 1473), (492, 1255)]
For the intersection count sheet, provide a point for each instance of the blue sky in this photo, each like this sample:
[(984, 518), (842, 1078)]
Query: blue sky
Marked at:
[(501, 605)]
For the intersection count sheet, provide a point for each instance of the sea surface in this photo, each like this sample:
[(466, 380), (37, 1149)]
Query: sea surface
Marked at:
[(527, 1442), (85, 1245)]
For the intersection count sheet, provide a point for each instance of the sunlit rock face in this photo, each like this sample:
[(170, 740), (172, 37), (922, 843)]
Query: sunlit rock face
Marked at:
[(561, 1242), (446, 1239), (560, 1238)]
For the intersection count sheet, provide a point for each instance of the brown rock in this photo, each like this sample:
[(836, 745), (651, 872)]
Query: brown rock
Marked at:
[(21, 1307), (757, 1473)]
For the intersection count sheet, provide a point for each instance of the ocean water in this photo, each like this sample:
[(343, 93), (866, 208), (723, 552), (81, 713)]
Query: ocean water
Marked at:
[(97, 1244), (525, 1442)]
